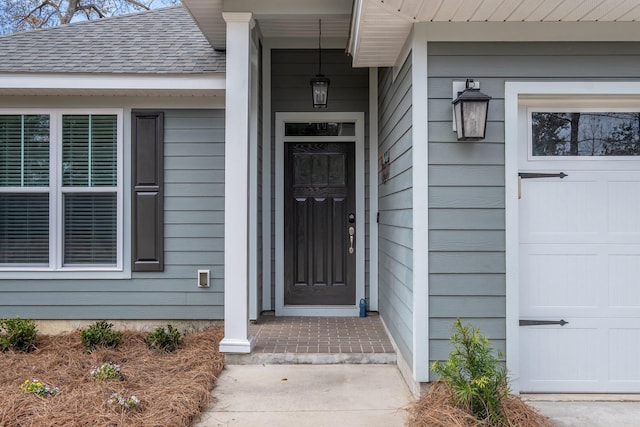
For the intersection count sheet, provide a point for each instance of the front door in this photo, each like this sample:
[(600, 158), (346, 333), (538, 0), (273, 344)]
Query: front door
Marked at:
[(319, 223)]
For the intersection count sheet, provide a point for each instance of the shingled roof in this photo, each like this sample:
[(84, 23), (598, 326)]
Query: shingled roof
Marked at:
[(161, 41)]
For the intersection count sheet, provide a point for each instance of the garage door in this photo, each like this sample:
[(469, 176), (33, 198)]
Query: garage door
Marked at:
[(579, 215)]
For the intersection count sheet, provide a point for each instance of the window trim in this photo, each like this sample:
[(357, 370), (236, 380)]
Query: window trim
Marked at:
[(56, 269)]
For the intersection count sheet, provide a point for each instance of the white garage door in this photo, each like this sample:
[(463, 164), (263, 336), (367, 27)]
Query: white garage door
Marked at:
[(580, 253)]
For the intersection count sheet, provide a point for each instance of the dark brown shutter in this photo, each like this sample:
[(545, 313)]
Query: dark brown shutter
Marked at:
[(147, 140)]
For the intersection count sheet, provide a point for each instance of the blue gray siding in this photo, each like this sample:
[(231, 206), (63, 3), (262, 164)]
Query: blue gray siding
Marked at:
[(395, 205), (291, 70), (466, 179), (194, 227)]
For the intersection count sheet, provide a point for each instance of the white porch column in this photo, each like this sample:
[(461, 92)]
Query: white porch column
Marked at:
[(420, 172), (236, 192)]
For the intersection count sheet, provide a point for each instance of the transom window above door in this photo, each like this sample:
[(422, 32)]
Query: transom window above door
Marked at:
[(584, 133), (320, 129), (60, 191)]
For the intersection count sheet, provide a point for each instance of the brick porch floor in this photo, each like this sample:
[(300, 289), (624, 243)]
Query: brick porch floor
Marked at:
[(320, 335)]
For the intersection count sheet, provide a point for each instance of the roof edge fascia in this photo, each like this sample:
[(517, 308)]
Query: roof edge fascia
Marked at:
[(354, 28), (202, 82)]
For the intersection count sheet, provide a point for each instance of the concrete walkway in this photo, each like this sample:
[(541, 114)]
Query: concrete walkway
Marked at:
[(588, 410), (308, 395)]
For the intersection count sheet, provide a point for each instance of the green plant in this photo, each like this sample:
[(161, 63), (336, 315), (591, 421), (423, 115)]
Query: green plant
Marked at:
[(476, 377), (108, 371), (100, 334), (167, 340), (18, 334), (39, 388)]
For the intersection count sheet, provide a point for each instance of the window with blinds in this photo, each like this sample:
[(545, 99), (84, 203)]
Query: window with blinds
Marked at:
[(24, 189), (59, 180)]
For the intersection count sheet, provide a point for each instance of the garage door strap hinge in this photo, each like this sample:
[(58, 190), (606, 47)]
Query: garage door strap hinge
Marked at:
[(542, 322), (527, 175)]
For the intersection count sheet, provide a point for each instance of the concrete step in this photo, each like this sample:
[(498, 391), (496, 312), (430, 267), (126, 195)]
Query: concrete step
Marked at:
[(311, 359)]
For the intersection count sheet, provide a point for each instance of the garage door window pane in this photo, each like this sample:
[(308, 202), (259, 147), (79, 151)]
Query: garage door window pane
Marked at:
[(602, 133)]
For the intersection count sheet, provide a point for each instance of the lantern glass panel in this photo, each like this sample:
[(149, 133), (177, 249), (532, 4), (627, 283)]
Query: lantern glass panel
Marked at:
[(474, 116), (320, 92)]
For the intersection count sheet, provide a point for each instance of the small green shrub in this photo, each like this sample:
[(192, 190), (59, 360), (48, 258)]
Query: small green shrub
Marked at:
[(477, 378), (100, 334), (167, 340), (18, 334)]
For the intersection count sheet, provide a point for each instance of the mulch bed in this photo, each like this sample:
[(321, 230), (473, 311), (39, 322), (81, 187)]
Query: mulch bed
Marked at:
[(173, 388), (438, 409)]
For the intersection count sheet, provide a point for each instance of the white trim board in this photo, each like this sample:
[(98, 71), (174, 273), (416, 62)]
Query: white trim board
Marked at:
[(373, 190), (266, 178), (281, 118), (517, 96), (254, 311), (211, 81)]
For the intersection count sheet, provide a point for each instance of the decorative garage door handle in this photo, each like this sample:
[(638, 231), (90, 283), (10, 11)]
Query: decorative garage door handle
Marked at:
[(542, 322), (527, 175)]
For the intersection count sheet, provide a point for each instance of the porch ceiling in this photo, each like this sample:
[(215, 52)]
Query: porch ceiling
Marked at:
[(285, 19), (380, 27)]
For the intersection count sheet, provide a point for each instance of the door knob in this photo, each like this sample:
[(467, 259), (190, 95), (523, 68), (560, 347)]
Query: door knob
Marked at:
[(352, 232)]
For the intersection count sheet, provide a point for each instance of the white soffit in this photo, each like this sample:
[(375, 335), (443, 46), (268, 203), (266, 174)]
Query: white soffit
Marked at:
[(336, 27), (282, 19), (208, 16), (381, 27)]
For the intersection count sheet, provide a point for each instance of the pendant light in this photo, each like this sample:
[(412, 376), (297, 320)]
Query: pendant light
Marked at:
[(319, 83)]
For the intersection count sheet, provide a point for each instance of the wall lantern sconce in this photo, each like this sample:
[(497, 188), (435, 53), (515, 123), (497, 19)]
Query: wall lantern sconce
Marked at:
[(470, 112), (319, 83)]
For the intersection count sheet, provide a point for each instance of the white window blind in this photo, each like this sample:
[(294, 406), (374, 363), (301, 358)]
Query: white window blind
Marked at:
[(24, 229)]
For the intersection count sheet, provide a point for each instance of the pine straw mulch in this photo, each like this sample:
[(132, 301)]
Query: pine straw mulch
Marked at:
[(173, 388), (438, 409)]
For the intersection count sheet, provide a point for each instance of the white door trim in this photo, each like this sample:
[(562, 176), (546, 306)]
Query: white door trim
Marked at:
[(281, 118), (515, 100), (373, 191)]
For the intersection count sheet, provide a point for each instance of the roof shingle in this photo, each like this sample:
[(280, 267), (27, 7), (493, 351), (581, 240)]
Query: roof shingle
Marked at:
[(160, 41)]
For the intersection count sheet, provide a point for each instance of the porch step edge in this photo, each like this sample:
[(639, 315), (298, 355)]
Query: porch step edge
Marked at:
[(311, 359)]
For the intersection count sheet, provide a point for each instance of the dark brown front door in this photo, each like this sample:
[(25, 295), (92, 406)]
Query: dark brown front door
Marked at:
[(319, 217)]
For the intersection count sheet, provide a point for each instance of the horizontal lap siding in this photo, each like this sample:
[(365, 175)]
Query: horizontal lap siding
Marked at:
[(466, 179), (194, 239), (395, 251)]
